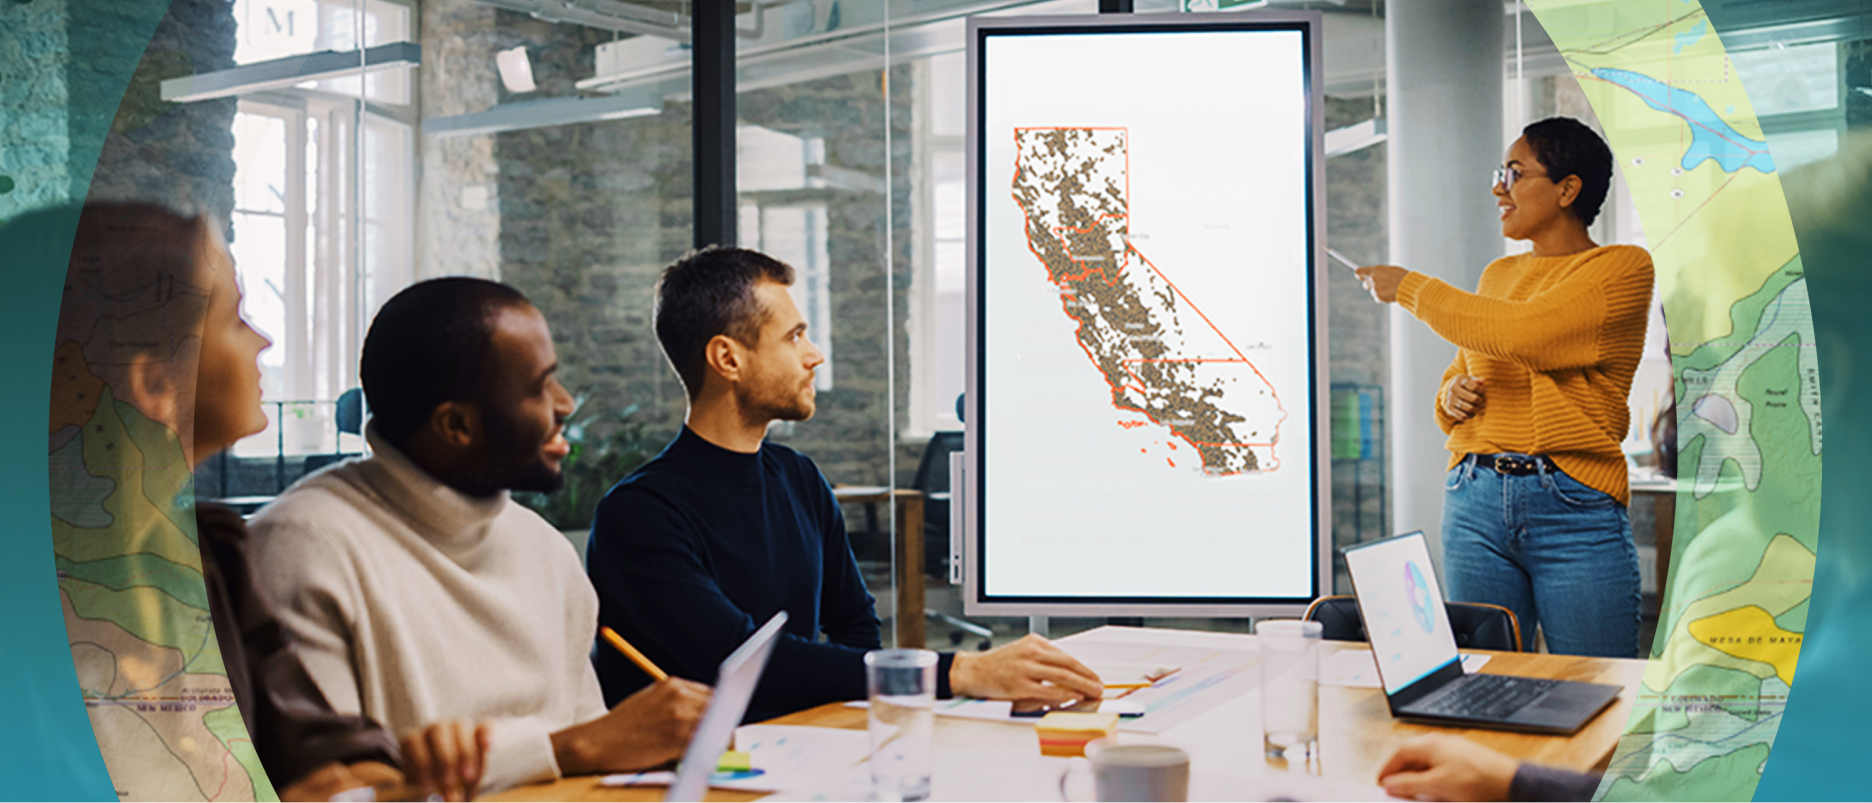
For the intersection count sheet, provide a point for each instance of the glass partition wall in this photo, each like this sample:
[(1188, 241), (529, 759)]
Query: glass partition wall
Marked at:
[(551, 146), (351, 147), (578, 200)]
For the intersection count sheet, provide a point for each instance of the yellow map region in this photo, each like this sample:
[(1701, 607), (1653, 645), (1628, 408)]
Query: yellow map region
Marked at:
[(1752, 635), (1782, 581)]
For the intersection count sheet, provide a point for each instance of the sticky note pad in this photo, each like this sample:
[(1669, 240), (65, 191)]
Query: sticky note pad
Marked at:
[(735, 761), (1066, 734)]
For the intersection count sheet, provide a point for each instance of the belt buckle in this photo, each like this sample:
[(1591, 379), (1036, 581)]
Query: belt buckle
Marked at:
[(1505, 464)]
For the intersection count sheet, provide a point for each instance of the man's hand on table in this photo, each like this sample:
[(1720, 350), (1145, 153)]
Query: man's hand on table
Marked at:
[(334, 779), (1031, 669), (1443, 767), (648, 728), (446, 759)]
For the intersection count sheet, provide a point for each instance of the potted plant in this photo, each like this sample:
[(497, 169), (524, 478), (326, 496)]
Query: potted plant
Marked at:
[(607, 445)]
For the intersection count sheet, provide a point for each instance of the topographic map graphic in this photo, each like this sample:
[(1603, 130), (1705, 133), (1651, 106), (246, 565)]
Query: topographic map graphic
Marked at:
[(1747, 391), (1158, 353), (129, 569)]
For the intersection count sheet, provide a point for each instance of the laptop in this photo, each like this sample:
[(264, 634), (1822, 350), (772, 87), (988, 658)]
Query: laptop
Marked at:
[(1418, 664), (734, 688)]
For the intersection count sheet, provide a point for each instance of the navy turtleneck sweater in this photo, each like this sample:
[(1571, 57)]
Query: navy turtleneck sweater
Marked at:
[(702, 545)]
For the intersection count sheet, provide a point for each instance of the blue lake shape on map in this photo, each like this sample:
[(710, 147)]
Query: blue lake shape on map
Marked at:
[(1690, 37), (1711, 137)]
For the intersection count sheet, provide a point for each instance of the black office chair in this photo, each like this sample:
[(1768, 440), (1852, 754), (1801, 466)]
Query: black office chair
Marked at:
[(932, 478), (1477, 625)]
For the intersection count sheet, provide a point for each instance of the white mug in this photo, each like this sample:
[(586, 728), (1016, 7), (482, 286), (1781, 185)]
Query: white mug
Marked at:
[(1144, 772)]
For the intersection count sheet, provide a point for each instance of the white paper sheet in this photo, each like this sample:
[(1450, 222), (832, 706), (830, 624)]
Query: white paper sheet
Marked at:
[(784, 757), (1209, 671)]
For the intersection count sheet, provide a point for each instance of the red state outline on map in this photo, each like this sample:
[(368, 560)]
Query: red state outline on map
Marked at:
[(1111, 278)]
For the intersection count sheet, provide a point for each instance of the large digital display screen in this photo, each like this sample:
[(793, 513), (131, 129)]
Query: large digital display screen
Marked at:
[(1147, 325)]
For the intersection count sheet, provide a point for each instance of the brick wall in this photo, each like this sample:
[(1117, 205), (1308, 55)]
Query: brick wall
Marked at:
[(1358, 329), (178, 154), (589, 214), (34, 145), (458, 205)]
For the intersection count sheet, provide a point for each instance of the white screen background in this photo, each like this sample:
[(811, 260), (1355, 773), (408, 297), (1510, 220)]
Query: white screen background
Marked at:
[(1075, 505)]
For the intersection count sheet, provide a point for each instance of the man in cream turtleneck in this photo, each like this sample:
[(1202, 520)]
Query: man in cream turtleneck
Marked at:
[(417, 591)]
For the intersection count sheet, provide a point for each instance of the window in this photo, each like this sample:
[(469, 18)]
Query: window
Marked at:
[(1796, 93), (938, 304), (775, 174), (271, 29), (323, 210)]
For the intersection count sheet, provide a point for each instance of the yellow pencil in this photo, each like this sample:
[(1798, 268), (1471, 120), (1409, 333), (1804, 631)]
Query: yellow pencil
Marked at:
[(632, 653), (1127, 685)]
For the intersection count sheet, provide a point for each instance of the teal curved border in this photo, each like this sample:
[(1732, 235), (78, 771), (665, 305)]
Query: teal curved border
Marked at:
[(47, 749), (1820, 754)]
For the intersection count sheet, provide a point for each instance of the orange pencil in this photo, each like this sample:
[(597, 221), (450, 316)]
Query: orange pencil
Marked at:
[(632, 653), (1127, 685)]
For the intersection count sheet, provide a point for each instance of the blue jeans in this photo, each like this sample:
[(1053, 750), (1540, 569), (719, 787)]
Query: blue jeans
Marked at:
[(1556, 552)]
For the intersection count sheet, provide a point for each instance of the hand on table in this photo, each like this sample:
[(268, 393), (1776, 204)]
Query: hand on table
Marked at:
[(334, 779), (648, 728), (446, 758), (1443, 767), (1031, 669), (1382, 281), (1462, 397)]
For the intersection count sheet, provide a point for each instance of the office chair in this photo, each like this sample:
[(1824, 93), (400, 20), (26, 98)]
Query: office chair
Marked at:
[(348, 414), (932, 478), (1477, 625)]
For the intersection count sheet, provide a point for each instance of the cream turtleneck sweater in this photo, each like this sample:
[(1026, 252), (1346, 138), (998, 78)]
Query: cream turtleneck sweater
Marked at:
[(412, 603)]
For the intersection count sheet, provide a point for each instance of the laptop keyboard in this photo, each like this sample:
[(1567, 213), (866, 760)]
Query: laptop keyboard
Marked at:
[(1483, 697)]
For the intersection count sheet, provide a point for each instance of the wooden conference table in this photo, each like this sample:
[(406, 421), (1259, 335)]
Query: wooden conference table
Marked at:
[(1357, 733)]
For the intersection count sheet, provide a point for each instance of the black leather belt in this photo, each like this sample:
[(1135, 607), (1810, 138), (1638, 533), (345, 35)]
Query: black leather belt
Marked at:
[(1516, 465)]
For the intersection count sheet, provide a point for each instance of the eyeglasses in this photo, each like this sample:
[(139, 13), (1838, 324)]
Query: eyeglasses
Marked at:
[(1505, 177)]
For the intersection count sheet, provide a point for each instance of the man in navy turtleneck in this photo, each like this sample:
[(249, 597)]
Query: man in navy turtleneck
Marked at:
[(697, 548)]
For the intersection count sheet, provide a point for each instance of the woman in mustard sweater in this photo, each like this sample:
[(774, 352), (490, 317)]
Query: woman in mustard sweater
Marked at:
[(1534, 513)]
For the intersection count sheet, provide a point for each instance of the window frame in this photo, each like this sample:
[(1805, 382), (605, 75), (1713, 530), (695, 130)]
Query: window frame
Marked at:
[(334, 276), (927, 415)]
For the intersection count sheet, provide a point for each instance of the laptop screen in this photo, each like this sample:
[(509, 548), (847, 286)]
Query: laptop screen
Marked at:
[(734, 689), (1403, 609)]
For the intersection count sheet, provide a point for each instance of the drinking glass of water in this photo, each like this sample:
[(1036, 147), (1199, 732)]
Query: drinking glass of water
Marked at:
[(902, 721), (1290, 691)]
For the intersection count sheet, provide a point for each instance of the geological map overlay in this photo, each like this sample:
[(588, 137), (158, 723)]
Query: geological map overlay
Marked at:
[(1161, 357)]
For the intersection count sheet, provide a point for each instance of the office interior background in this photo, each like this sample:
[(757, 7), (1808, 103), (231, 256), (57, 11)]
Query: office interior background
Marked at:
[(550, 144)]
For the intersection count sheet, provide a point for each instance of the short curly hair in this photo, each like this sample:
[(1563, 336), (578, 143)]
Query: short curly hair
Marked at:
[(432, 342), (1566, 147)]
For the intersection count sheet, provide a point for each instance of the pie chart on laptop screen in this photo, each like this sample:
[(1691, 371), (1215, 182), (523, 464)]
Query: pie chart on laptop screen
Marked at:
[(1418, 590)]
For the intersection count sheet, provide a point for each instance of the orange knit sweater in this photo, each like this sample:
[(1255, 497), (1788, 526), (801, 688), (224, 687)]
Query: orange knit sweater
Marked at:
[(1556, 341)]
